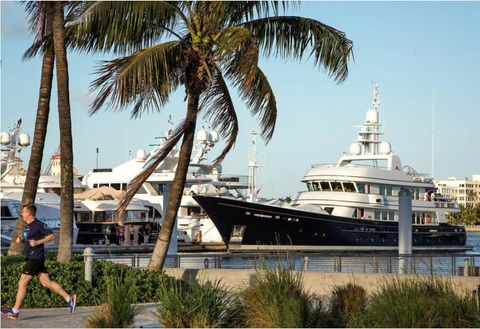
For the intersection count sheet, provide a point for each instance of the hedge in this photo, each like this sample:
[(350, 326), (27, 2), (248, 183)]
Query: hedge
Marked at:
[(71, 276)]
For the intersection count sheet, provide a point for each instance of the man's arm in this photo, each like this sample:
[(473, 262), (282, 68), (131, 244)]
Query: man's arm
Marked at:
[(46, 239)]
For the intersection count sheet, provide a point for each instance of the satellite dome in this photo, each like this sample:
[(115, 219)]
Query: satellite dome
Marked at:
[(202, 136), (355, 148), (23, 139), (385, 148), (214, 136), (372, 116), (5, 138), (141, 155)]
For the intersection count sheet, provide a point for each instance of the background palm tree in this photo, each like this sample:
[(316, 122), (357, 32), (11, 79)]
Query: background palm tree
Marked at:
[(200, 45), (47, 19), (66, 143), (40, 22)]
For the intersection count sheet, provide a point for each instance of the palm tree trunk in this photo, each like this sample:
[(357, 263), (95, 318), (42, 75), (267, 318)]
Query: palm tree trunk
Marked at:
[(66, 145), (161, 247), (41, 122)]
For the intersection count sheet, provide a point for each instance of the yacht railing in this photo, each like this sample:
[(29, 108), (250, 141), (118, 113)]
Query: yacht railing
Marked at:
[(351, 165)]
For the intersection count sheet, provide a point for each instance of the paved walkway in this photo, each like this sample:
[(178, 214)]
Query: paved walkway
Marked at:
[(61, 317)]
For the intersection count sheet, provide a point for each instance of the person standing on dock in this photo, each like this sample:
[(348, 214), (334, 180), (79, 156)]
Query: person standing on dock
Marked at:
[(35, 235)]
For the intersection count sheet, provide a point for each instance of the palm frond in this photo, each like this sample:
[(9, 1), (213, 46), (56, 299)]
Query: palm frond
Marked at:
[(218, 106), (135, 184), (289, 37), (239, 53), (124, 27), (243, 11), (146, 79), (260, 100)]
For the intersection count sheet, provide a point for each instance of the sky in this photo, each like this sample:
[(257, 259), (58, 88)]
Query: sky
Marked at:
[(423, 56)]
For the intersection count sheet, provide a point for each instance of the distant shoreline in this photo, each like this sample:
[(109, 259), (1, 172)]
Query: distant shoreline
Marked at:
[(472, 229)]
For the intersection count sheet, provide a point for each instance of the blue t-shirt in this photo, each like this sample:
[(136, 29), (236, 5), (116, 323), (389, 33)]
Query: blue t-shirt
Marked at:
[(36, 230)]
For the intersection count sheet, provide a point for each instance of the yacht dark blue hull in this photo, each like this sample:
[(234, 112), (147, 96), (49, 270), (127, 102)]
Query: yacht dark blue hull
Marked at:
[(255, 224)]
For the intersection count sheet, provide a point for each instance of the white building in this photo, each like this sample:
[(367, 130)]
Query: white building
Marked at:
[(461, 189)]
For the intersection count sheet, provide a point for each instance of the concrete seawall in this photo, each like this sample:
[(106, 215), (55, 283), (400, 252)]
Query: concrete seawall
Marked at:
[(321, 283)]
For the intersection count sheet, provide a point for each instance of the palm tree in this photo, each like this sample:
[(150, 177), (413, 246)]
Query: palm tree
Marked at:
[(66, 153), (41, 22), (201, 46)]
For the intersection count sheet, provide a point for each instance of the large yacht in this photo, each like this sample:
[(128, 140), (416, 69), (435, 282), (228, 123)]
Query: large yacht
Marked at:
[(350, 205), (13, 177), (202, 178)]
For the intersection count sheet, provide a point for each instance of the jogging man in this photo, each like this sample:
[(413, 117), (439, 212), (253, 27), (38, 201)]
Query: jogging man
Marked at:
[(35, 235)]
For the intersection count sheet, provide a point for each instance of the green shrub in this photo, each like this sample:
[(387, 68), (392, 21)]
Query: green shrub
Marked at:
[(427, 302), (118, 309), (71, 276), (275, 298), (346, 301), (197, 305)]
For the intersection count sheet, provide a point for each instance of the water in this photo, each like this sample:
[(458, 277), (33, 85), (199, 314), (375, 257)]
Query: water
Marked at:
[(427, 263), (473, 239)]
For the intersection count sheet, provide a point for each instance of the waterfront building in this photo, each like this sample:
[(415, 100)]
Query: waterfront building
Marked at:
[(466, 191)]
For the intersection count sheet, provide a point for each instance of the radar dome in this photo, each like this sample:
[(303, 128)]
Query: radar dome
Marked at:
[(23, 139), (355, 148), (385, 148), (141, 155), (202, 136), (5, 138), (372, 116), (214, 136)]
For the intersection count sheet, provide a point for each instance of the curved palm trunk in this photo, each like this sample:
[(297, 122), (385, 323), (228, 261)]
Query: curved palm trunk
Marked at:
[(161, 247), (66, 145), (41, 122)]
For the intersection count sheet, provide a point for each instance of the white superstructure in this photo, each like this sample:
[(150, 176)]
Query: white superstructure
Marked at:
[(193, 224), (365, 182)]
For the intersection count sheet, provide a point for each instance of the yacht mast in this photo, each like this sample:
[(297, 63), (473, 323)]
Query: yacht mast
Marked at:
[(252, 169)]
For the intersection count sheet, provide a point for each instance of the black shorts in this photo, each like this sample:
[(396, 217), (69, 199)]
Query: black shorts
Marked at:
[(35, 267)]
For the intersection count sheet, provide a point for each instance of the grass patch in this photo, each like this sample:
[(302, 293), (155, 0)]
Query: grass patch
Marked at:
[(275, 298), (197, 305), (345, 302), (118, 309), (421, 302)]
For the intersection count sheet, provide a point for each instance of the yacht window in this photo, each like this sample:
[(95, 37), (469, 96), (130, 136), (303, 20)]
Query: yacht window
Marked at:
[(376, 214), (95, 185), (391, 215), (109, 216), (329, 209), (361, 188), (124, 186), (337, 186), (309, 186), (116, 186), (193, 211), (348, 187), (381, 190), (99, 217), (104, 184), (158, 187), (325, 186), (82, 217), (315, 186), (153, 212), (6, 212), (389, 190), (374, 189), (384, 215)]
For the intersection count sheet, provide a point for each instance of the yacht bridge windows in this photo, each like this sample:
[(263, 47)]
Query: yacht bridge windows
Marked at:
[(359, 187)]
